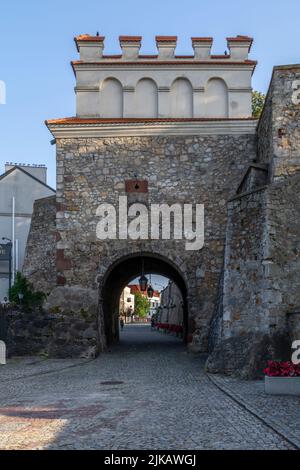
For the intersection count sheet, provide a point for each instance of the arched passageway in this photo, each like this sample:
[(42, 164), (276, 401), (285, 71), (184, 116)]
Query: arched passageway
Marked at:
[(123, 272)]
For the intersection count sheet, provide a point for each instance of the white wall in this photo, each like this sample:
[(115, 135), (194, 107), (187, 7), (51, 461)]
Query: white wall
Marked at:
[(181, 99), (216, 98), (132, 94), (25, 190), (111, 99), (146, 99)]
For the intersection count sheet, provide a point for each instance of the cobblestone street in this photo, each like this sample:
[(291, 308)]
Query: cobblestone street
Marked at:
[(146, 393)]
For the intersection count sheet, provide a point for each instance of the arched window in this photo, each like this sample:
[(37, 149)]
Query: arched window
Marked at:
[(181, 99), (216, 98), (111, 99), (146, 99)]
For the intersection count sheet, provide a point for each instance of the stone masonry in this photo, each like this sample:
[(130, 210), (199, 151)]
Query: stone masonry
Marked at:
[(263, 245), (243, 285), (185, 170), (41, 246)]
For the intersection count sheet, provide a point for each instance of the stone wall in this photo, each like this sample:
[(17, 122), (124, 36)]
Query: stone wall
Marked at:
[(40, 262), (279, 130), (261, 291), (244, 302), (216, 324), (283, 267), (261, 280), (192, 169), (171, 309), (64, 328), (251, 229)]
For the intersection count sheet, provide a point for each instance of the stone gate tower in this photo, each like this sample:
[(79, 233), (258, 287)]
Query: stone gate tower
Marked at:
[(159, 129)]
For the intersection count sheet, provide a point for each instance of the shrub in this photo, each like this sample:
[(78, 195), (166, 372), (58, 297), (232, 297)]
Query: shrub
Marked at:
[(31, 298)]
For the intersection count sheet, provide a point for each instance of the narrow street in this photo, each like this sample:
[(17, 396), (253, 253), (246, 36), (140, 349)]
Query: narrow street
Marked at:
[(146, 393)]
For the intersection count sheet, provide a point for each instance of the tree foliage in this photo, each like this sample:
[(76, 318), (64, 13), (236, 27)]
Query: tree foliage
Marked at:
[(141, 305), (23, 286), (258, 101)]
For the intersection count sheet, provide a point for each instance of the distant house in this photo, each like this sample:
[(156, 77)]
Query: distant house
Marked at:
[(20, 186), (126, 307), (154, 300)]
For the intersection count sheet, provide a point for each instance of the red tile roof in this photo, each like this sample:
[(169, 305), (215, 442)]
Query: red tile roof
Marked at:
[(221, 56), (76, 120), (155, 56), (203, 39), (134, 288), (184, 56), (112, 56), (167, 62), (241, 38), (130, 38), (88, 38), (148, 56), (165, 38)]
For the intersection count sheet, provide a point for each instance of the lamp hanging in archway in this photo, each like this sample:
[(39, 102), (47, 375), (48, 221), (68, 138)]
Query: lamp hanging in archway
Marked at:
[(150, 290), (143, 281)]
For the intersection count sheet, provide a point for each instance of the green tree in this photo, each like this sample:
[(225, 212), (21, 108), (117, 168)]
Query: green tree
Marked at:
[(141, 305), (258, 101), (24, 287)]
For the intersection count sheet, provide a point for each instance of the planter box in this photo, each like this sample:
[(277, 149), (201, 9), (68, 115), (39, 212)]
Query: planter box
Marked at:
[(282, 385)]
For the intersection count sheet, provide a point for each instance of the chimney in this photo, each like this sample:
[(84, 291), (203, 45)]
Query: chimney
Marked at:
[(90, 47), (166, 46), (239, 47), (130, 46), (38, 171), (202, 47)]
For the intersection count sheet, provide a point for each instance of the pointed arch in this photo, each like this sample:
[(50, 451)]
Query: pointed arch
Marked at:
[(111, 98), (146, 99), (216, 98), (181, 99)]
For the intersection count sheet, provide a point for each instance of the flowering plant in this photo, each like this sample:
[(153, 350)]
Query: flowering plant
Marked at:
[(169, 327), (282, 369)]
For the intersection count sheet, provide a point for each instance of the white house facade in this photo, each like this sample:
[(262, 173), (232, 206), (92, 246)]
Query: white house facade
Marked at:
[(20, 186)]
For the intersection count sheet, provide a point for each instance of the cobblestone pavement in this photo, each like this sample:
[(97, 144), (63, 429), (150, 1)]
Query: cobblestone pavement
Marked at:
[(146, 393)]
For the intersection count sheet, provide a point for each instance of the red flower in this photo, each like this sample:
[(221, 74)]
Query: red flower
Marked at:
[(282, 369)]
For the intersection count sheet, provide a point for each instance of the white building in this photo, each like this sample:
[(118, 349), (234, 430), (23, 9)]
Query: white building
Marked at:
[(154, 303), (126, 302), (20, 186), (163, 85)]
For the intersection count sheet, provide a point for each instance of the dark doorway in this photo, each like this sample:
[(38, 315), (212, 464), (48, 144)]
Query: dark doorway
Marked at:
[(123, 272)]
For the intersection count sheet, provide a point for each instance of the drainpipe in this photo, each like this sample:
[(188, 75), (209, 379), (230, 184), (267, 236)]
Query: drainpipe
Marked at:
[(17, 255), (13, 240)]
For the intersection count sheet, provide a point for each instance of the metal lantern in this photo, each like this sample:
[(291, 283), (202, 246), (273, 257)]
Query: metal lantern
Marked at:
[(143, 282), (150, 291)]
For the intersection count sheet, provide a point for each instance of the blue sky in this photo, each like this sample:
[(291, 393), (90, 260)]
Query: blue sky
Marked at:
[(37, 47)]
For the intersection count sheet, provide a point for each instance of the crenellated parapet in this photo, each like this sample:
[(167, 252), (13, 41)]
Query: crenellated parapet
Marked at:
[(91, 48), (163, 85)]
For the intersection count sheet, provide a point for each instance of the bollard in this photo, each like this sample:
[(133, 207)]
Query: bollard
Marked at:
[(2, 353)]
